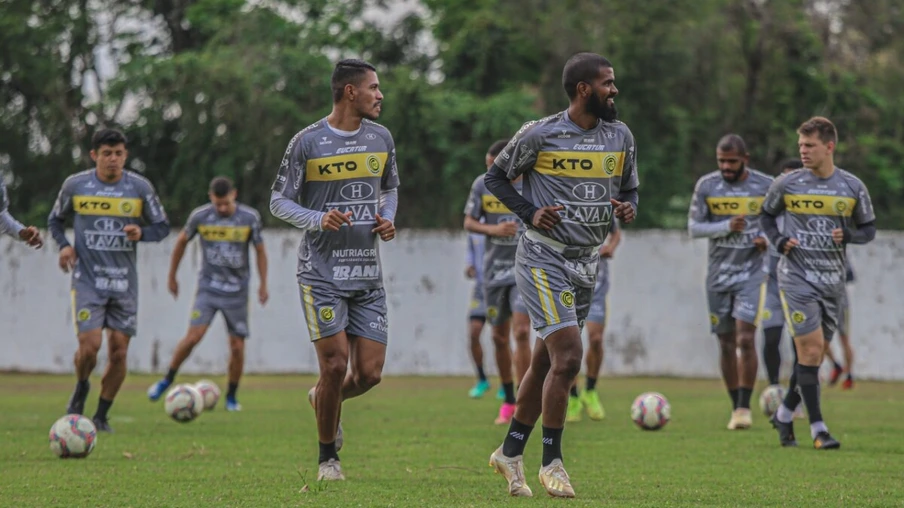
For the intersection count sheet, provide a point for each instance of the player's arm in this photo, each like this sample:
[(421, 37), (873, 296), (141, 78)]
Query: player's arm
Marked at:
[(175, 260), (8, 224), (864, 218), (474, 212), (625, 203), (699, 224), (56, 224), (156, 223), (389, 194), (287, 188), (773, 206), (470, 258), (514, 160), (260, 255)]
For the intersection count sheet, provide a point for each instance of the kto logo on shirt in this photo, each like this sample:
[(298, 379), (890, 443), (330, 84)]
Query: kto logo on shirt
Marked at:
[(101, 205)]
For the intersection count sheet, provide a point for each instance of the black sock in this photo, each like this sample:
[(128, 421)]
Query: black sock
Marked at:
[(837, 365), (509, 389), (574, 390), (552, 445), (850, 376), (171, 375), (809, 389), (230, 394), (103, 405), (734, 398), (82, 387), (591, 383), (480, 374), (744, 397), (792, 397), (327, 452), (516, 438), (772, 355)]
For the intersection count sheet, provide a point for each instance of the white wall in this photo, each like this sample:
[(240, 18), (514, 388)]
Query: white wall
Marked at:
[(658, 323)]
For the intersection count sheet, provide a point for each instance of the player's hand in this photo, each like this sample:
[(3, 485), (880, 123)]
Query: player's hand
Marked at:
[(32, 237), (334, 219), (623, 211), (262, 294), (606, 251), (133, 232), (505, 229), (790, 244), (470, 272), (385, 228), (737, 224), (760, 243), (67, 259), (547, 217), (173, 286), (838, 236)]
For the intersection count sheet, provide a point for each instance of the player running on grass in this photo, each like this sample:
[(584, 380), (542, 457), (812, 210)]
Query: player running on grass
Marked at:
[(227, 228), (338, 183)]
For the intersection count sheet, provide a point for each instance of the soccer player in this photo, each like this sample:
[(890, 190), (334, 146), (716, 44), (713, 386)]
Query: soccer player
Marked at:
[(11, 227), (771, 317), (725, 209), (112, 210), (338, 183), (227, 228), (579, 169), (844, 334), (825, 209), (589, 399), (477, 315), (486, 215)]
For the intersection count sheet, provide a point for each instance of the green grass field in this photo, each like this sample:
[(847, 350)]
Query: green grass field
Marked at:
[(421, 442)]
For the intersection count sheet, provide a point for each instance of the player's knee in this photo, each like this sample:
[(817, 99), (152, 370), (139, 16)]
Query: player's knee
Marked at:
[(369, 378), (746, 341), (237, 348), (334, 366), (118, 355), (728, 346), (500, 339), (521, 331), (595, 341), (567, 364)]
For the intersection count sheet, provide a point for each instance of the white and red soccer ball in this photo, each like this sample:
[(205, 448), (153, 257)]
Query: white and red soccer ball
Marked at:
[(210, 392), (184, 403), (73, 437), (651, 411)]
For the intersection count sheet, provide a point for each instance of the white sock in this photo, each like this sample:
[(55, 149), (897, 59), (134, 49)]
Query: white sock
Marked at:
[(817, 427), (784, 415)]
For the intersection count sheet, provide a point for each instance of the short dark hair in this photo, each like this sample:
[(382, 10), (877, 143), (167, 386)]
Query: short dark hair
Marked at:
[(822, 127), (221, 186), (581, 67), (108, 137), (790, 164), (732, 143), (348, 72), (497, 147)]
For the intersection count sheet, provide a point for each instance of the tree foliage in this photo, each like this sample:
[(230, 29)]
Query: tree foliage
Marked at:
[(218, 87)]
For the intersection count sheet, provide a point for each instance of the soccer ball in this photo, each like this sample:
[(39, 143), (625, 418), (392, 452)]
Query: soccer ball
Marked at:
[(771, 399), (184, 403), (651, 411), (210, 392), (73, 437)]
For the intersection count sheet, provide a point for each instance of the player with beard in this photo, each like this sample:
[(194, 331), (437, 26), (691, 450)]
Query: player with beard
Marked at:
[(825, 209), (725, 209), (13, 228), (338, 183), (579, 169)]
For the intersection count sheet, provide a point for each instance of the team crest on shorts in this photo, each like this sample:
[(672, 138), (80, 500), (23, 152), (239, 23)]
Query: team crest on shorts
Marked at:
[(492, 312), (766, 315), (798, 317), (567, 298), (196, 314), (83, 315), (713, 319), (327, 315), (474, 304)]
